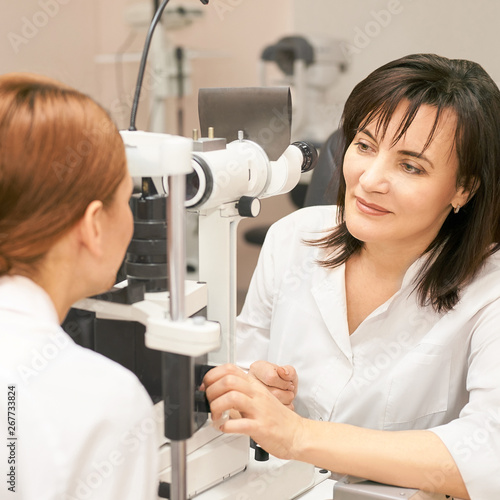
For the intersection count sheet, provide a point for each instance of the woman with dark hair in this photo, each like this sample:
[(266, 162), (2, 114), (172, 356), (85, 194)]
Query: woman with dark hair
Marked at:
[(75, 420), (389, 318)]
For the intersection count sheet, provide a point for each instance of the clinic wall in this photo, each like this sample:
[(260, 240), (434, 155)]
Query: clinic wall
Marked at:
[(75, 40), (58, 39), (377, 31)]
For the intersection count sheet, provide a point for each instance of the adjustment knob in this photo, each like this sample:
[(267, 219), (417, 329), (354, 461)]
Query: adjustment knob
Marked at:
[(309, 153), (260, 455), (248, 206)]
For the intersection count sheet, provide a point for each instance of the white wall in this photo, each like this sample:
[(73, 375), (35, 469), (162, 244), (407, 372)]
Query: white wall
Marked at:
[(58, 41), (61, 38), (378, 31)]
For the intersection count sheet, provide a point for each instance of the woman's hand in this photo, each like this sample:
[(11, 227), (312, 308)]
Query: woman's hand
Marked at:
[(271, 424), (281, 381), (406, 458)]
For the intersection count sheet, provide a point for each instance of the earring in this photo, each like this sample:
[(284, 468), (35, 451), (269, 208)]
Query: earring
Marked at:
[(456, 209)]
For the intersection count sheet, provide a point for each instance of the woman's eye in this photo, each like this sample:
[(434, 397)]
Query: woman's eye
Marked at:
[(362, 147), (412, 169)]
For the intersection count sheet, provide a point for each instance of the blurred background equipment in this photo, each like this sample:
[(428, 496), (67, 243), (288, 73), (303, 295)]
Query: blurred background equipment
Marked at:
[(311, 66)]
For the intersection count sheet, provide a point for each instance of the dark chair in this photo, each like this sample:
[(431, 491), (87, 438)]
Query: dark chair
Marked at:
[(324, 184)]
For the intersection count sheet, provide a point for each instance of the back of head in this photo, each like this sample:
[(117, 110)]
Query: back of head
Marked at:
[(59, 151)]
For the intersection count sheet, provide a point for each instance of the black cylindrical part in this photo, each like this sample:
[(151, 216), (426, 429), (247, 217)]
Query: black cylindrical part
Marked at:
[(309, 153), (178, 395), (146, 259)]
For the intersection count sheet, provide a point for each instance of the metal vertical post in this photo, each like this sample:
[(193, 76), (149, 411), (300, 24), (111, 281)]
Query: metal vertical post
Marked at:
[(176, 251), (176, 245)]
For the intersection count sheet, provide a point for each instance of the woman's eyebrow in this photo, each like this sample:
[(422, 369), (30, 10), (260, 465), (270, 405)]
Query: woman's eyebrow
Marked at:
[(414, 154), (368, 133), (403, 152)]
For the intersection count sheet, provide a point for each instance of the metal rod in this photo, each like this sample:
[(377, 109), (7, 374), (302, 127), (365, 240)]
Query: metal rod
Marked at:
[(178, 488), (176, 244), (176, 251)]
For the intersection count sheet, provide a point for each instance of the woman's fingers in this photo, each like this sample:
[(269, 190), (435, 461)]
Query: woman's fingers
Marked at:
[(285, 397), (232, 400), (271, 375), (227, 383), (263, 417), (218, 372), (281, 381), (289, 374), (230, 388)]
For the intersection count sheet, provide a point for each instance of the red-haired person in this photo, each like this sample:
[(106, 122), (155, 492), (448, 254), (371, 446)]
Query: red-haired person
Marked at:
[(76, 420), (378, 319)]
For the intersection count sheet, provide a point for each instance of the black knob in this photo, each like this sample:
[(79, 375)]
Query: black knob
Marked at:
[(248, 206), (310, 154), (164, 490), (261, 455)]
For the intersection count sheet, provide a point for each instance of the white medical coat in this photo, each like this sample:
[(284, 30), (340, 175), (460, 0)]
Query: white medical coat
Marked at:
[(405, 366), (84, 424)]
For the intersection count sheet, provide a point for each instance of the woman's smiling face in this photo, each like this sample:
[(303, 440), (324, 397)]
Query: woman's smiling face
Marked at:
[(399, 193)]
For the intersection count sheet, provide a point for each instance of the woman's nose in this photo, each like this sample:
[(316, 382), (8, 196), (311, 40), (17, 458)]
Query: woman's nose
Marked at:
[(374, 177)]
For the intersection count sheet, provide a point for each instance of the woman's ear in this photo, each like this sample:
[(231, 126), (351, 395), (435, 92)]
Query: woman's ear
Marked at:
[(465, 194), (91, 228)]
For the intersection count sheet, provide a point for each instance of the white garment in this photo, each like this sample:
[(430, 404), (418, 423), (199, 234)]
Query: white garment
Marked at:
[(405, 366), (84, 424)]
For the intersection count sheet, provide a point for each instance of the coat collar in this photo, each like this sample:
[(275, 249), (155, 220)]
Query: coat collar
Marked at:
[(330, 297), (19, 294)]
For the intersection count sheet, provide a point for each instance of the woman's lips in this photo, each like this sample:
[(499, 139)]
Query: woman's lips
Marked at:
[(370, 208)]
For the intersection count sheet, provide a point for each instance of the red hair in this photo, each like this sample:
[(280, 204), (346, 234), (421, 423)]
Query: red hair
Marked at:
[(59, 150)]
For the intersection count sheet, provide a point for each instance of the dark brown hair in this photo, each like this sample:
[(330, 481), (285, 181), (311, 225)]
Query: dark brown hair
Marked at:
[(59, 151), (467, 238)]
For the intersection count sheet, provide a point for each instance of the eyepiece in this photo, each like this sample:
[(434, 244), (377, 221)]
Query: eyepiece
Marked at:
[(199, 183), (309, 153)]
